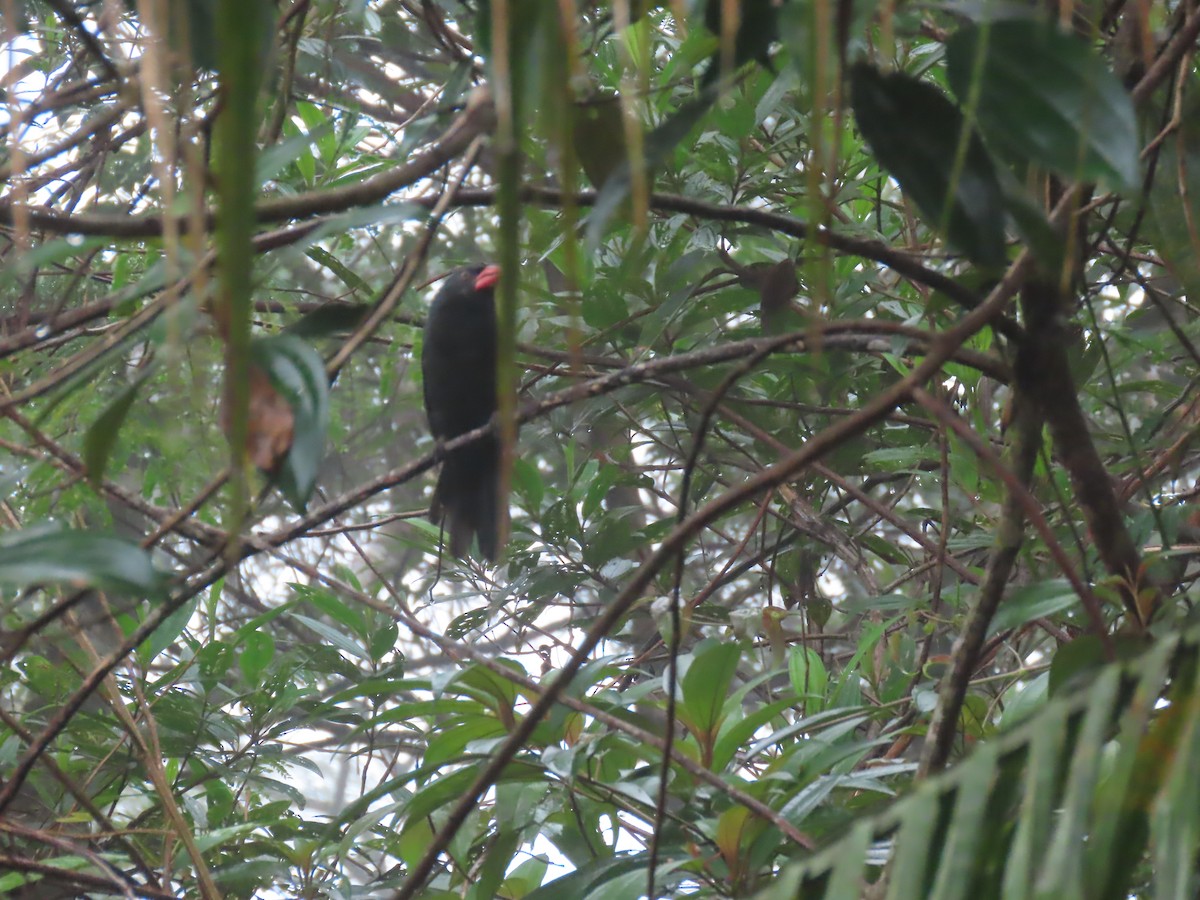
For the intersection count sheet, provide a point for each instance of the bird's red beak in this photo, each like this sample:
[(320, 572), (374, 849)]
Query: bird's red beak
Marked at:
[(487, 278)]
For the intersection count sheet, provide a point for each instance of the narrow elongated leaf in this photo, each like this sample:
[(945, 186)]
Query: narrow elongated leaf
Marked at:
[(1045, 97), (332, 318), (1032, 601), (1176, 825), (845, 882), (734, 738), (911, 859), (1057, 758), (915, 132), (257, 652), (1062, 872), (592, 875), (1118, 836), (344, 273), (294, 149), (100, 439), (167, 633), (960, 855), (1042, 785), (77, 559), (1172, 219)]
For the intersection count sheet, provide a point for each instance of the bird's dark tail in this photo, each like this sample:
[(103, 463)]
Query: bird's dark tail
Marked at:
[(465, 502)]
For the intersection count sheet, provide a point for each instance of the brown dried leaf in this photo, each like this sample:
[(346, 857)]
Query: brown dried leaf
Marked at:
[(270, 422)]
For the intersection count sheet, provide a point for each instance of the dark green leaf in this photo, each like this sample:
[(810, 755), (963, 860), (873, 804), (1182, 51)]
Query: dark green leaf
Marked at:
[(1043, 96), (332, 318), (916, 133), (1172, 221), (100, 439)]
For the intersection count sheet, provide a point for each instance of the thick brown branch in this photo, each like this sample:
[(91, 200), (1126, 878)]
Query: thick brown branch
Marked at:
[(1043, 373)]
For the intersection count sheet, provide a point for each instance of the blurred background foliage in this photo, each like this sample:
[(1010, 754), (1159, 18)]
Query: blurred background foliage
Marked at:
[(854, 360)]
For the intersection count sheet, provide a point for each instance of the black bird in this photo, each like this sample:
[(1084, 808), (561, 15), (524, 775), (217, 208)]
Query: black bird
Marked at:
[(458, 360)]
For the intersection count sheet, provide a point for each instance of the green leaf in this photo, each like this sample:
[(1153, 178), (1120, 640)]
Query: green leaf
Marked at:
[(332, 318), (368, 216), (910, 862), (916, 134), (334, 637), (1041, 95), (220, 799), (1176, 810), (808, 676), (333, 606), (382, 640), (464, 623), (525, 878), (258, 649), (1172, 222), (1042, 779), (344, 273), (1063, 866), (595, 875), (297, 148), (705, 686), (1033, 601), (496, 859), (211, 839), (845, 882), (1131, 773), (100, 439), (528, 482), (297, 372), (1075, 661), (736, 737), (620, 887), (886, 549), (77, 559), (167, 632), (960, 855)]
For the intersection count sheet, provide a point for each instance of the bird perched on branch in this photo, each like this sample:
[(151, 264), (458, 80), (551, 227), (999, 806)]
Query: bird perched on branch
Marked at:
[(458, 361)]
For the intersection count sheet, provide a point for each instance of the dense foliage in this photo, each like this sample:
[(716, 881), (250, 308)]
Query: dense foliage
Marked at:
[(848, 376)]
